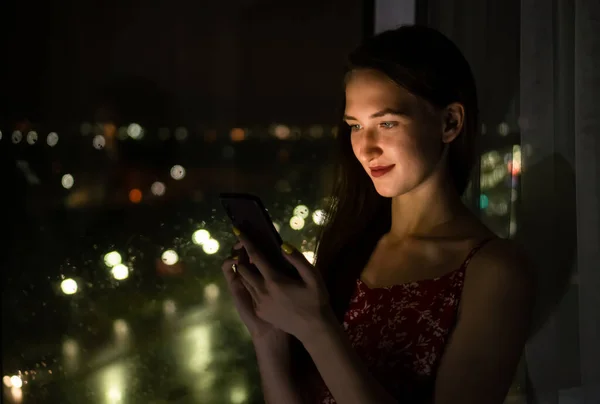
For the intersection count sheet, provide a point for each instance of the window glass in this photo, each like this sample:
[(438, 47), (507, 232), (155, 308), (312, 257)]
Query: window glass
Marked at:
[(124, 123)]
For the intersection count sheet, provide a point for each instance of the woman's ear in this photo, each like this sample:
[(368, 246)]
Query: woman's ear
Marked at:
[(453, 121)]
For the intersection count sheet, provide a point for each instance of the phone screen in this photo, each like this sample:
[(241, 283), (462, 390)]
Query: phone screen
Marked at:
[(249, 215)]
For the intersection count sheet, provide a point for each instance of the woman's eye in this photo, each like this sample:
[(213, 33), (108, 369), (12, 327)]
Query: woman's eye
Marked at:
[(388, 125), (354, 127)]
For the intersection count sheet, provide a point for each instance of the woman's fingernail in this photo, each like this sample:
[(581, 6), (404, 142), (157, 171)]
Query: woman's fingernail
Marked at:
[(236, 231), (288, 249)]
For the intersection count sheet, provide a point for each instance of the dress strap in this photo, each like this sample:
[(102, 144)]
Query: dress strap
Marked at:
[(474, 251)]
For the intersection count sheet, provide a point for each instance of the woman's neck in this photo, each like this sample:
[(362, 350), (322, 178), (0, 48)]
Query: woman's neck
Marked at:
[(430, 205)]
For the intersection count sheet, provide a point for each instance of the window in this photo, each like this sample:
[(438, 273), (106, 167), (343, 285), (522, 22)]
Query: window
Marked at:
[(124, 123)]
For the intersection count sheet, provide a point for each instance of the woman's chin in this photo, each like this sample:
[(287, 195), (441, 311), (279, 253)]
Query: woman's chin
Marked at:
[(387, 192)]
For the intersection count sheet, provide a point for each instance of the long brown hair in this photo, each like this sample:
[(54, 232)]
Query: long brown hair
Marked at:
[(430, 66)]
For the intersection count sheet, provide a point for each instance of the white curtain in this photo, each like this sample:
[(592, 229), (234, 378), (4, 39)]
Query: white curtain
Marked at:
[(560, 126), (537, 66)]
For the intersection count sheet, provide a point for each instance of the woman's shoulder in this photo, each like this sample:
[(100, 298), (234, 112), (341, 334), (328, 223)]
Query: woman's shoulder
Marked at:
[(500, 266)]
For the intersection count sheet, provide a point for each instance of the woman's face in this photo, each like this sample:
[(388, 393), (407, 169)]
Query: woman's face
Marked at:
[(396, 136)]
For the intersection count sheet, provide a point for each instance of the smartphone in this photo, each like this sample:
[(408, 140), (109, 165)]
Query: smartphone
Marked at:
[(249, 215)]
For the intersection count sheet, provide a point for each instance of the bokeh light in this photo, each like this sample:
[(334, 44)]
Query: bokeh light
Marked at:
[(297, 223), (316, 131), (170, 257), (177, 172), (483, 201), (169, 307), (301, 211), (181, 134), (503, 129), (16, 381), (120, 272), (16, 136), (200, 236), (67, 181), (99, 142), (158, 188), (210, 246), (281, 132), (198, 344), (112, 259), (135, 131), (32, 137), (52, 139), (211, 292), (135, 195), (319, 217), (69, 286), (238, 395), (237, 134)]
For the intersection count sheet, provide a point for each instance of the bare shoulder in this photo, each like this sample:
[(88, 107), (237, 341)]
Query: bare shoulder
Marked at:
[(501, 266)]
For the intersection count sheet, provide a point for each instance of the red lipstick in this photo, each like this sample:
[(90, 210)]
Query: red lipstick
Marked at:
[(380, 170)]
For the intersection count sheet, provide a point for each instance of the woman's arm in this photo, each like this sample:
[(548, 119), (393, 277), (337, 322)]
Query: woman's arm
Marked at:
[(480, 360), (346, 377), (494, 323), (273, 357)]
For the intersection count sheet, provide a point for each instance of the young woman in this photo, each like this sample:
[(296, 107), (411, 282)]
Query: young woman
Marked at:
[(412, 299)]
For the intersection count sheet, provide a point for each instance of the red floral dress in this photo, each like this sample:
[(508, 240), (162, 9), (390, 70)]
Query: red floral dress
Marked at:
[(400, 331)]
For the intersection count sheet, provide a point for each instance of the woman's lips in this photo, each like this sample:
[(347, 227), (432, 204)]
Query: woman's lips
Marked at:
[(381, 170)]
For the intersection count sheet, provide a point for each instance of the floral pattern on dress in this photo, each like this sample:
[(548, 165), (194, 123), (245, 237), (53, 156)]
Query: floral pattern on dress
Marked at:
[(400, 331)]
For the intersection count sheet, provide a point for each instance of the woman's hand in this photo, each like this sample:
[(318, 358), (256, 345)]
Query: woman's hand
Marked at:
[(258, 328), (298, 307)]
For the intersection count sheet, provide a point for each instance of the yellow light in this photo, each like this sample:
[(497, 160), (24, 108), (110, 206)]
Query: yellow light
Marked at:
[(296, 223), (17, 395), (211, 292), (238, 395), (301, 211), (114, 395), (310, 256), (319, 217), (16, 381), (170, 257), (120, 272), (120, 328), (210, 246), (112, 258), (68, 286), (237, 134), (200, 236)]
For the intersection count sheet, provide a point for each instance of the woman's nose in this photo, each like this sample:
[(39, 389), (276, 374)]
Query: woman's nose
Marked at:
[(370, 146)]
